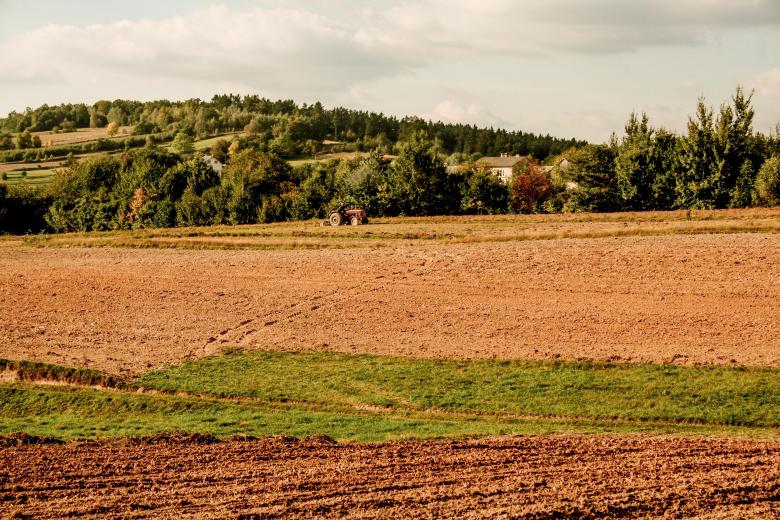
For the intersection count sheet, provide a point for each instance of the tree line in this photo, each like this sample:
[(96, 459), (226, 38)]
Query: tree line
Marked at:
[(720, 162), (282, 127)]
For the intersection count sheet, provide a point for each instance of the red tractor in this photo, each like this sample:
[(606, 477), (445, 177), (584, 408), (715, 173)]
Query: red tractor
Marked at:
[(342, 215)]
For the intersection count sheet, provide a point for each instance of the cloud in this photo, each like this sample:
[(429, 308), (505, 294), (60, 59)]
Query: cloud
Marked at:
[(540, 27), (690, 84), (766, 84), (276, 48), (301, 50)]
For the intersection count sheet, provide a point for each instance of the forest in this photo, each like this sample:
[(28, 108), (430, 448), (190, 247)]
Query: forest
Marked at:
[(719, 162)]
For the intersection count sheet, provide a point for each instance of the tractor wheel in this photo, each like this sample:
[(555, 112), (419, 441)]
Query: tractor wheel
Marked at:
[(354, 221), (365, 220), (335, 218)]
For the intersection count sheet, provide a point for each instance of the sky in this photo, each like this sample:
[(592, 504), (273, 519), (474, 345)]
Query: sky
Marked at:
[(569, 68)]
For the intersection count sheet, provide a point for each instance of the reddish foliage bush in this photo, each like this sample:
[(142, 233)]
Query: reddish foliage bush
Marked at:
[(530, 189)]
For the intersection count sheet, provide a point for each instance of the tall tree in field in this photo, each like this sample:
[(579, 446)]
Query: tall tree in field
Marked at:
[(699, 177), (634, 164)]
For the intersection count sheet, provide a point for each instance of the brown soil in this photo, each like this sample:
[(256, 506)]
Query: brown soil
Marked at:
[(542, 477), (682, 299)]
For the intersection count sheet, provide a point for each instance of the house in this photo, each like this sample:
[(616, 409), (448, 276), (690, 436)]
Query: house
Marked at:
[(560, 166), (215, 164), (502, 166)]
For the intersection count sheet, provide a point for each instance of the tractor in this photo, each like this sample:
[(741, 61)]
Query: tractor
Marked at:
[(342, 215)]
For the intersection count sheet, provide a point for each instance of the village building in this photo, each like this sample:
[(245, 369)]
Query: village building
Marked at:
[(215, 164), (501, 166)]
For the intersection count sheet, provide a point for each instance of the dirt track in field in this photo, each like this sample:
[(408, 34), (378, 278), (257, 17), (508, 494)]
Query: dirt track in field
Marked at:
[(682, 299), (542, 477)]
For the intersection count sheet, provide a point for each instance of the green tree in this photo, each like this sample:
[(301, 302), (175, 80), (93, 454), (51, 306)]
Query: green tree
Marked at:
[(6, 141), (735, 144), (248, 178), (24, 140), (421, 184), (699, 177), (665, 163), (766, 191), (367, 184), (182, 144), (741, 194), (484, 193), (634, 165), (593, 185)]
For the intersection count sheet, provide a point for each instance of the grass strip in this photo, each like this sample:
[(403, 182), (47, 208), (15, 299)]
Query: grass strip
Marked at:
[(725, 395), (377, 398), (68, 413)]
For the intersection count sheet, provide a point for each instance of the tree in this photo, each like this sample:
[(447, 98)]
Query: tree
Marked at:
[(253, 127), (249, 178), (112, 128), (484, 192), (182, 144), (741, 194), (665, 165), (766, 191), (530, 190), (593, 185), (634, 166), (366, 183), (24, 140), (96, 119), (699, 178), (734, 146), (421, 184), (6, 141), (116, 115)]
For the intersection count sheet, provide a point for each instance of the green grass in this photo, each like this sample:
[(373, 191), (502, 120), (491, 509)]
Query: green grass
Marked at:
[(641, 392), (372, 398), (68, 413)]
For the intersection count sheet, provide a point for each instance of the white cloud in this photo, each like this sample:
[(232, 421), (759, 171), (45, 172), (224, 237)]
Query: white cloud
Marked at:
[(533, 27), (766, 84), (690, 84), (299, 50), (276, 48)]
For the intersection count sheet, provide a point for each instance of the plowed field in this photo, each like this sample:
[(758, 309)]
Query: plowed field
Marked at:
[(682, 298), (540, 477)]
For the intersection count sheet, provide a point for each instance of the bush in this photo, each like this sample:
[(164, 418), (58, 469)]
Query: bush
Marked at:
[(22, 209)]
